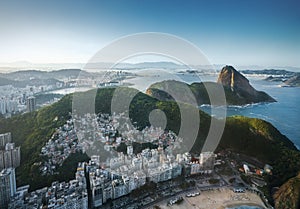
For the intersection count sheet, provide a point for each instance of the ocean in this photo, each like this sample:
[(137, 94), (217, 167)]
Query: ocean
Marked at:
[(283, 114)]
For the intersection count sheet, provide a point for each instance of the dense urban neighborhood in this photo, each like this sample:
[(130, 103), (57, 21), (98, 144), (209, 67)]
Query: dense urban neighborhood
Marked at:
[(125, 178)]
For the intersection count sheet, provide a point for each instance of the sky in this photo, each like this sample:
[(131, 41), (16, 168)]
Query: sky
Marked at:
[(248, 32)]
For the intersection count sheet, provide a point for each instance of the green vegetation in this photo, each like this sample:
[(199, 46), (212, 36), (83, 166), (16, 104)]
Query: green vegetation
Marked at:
[(253, 137), (43, 98), (149, 187), (31, 131), (258, 138), (214, 181), (185, 185), (288, 195), (232, 180), (165, 89), (224, 169)]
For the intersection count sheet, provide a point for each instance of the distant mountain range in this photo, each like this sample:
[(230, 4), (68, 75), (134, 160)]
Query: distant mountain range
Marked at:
[(289, 78), (37, 74), (277, 72), (39, 78), (24, 65)]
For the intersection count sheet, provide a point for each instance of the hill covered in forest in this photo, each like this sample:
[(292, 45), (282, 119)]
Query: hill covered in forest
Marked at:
[(288, 195), (237, 90), (253, 137)]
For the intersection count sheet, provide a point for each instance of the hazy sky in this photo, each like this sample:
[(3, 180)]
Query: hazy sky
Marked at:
[(254, 32)]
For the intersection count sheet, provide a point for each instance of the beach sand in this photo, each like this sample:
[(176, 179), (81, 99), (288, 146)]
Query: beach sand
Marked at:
[(217, 199)]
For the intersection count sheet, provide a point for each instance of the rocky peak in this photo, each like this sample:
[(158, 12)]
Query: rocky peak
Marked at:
[(230, 78)]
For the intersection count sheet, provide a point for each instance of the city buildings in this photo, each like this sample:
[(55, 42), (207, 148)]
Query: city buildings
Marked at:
[(63, 195), (7, 186), (111, 178), (13, 99), (126, 173), (4, 139), (111, 184), (8, 106), (31, 104), (9, 154), (9, 160)]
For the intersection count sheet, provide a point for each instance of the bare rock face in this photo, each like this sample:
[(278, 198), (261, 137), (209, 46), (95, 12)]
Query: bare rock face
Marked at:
[(237, 88), (231, 79), (293, 81)]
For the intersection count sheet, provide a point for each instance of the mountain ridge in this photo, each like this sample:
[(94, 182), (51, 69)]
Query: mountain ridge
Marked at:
[(253, 137), (237, 89)]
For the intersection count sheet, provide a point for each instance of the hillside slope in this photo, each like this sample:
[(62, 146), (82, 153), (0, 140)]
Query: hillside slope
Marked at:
[(253, 137), (237, 89), (288, 195), (238, 84)]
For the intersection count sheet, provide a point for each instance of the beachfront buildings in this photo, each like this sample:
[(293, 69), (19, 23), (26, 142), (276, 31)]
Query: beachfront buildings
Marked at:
[(204, 164), (125, 173), (109, 180)]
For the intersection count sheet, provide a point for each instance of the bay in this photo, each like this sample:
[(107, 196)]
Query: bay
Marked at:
[(283, 114)]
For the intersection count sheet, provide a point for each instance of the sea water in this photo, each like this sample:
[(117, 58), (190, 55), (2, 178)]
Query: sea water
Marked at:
[(283, 114)]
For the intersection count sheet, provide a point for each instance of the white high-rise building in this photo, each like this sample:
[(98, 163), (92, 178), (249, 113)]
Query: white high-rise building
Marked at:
[(31, 103), (9, 154), (7, 186), (129, 150), (4, 139), (10, 157)]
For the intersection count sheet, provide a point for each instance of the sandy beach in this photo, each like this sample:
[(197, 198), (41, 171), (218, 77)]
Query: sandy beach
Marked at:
[(217, 199)]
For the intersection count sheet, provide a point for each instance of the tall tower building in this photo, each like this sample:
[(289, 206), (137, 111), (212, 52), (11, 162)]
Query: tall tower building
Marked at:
[(9, 154), (4, 139), (7, 186), (30, 102), (207, 160), (130, 150)]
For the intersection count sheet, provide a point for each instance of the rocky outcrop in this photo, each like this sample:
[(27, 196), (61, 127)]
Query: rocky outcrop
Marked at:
[(234, 81), (293, 81), (237, 88)]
